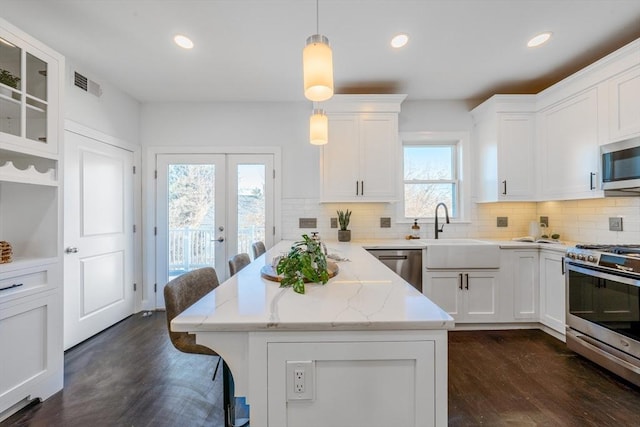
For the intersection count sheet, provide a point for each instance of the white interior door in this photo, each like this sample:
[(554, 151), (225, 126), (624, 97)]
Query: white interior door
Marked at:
[(210, 207), (98, 236)]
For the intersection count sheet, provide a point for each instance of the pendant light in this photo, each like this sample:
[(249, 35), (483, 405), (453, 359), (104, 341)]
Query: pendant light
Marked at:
[(318, 127), (317, 66)]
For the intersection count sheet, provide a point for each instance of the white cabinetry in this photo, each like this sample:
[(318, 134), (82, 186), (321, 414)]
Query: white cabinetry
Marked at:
[(519, 281), (504, 136), (468, 296), (360, 162), (552, 290), (624, 105), (31, 353), (569, 148), (399, 371)]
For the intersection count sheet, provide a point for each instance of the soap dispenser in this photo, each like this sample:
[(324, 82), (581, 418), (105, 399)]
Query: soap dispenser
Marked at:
[(415, 230)]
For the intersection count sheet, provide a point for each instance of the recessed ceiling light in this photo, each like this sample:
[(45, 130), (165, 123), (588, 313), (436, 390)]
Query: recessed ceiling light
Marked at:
[(183, 41), (539, 39), (399, 40)]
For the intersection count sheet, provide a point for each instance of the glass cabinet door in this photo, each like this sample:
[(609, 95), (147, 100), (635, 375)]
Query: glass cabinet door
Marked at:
[(26, 75), (10, 88)]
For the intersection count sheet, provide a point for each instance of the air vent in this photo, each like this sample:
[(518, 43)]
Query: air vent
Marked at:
[(87, 85), (80, 81)]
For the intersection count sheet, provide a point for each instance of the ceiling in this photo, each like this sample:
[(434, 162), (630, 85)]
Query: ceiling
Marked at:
[(251, 50)]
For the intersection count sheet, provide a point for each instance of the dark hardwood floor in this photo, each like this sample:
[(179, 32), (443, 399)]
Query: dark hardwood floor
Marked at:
[(130, 375)]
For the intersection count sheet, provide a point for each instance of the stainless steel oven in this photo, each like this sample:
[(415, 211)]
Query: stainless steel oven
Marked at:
[(603, 306)]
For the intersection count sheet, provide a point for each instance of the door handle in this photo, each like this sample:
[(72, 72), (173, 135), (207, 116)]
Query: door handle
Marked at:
[(591, 186), (71, 250), (504, 189), (460, 274), (467, 277), (357, 189), (220, 239), (392, 257)]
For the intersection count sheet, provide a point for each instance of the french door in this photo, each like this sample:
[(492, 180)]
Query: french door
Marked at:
[(210, 207)]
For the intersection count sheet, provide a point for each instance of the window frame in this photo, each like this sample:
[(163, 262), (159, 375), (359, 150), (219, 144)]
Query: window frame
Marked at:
[(461, 170)]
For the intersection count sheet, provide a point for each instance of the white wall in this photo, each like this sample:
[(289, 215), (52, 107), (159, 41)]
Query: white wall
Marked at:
[(115, 113), (285, 125), (241, 124)]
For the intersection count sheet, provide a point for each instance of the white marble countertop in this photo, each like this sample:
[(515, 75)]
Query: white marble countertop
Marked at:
[(365, 295)]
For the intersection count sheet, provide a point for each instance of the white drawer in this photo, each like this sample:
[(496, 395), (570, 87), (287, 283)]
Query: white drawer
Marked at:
[(25, 282)]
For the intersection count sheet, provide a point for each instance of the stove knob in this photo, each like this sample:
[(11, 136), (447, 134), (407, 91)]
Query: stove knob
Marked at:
[(571, 255), (580, 257), (592, 258)]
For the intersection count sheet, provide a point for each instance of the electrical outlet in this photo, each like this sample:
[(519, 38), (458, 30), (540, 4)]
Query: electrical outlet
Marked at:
[(544, 220), (502, 221), (615, 223), (307, 223), (300, 380), (334, 222), (385, 222)]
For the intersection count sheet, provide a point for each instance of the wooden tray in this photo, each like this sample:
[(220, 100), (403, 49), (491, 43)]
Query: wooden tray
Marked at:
[(269, 273)]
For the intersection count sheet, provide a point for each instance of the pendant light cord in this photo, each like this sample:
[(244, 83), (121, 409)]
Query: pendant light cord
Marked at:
[(317, 17)]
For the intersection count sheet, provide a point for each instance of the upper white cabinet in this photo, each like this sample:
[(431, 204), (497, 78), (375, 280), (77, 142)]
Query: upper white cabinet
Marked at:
[(624, 105), (569, 148), (360, 162), (504, 136), (30, 85)]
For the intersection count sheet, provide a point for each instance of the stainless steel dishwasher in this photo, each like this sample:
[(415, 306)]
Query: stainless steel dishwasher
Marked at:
[(406, 263)]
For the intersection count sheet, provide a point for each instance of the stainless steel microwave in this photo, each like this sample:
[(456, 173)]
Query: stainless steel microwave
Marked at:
[(621, 167)]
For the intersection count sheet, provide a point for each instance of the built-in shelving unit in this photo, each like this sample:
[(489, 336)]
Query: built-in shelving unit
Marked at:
[(31, 353)]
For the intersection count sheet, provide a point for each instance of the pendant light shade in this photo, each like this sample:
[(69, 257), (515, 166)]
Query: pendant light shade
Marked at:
[(317, 64), (318, 128)]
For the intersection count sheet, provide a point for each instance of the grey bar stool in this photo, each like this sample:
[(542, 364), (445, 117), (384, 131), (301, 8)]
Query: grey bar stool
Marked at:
[(181, 293), (238, 262), (258, 249)]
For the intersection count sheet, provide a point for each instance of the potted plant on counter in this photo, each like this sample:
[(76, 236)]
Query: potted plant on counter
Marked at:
[(344, 234), (305, 262)]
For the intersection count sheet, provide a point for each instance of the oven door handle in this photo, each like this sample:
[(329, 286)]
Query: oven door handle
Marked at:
[(605, 358)]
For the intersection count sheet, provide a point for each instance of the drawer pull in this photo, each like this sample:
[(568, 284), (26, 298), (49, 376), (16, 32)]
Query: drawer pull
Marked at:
[(15, 285)]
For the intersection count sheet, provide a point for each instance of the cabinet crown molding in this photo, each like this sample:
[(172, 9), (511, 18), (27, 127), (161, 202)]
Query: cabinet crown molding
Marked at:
[(364, 103)]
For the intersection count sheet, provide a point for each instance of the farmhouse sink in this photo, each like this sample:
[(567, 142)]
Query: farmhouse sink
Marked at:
[(462, 254)]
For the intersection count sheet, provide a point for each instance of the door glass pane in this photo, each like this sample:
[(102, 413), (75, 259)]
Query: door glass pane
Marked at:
[(36, 77), (191, 214), (251, 206)]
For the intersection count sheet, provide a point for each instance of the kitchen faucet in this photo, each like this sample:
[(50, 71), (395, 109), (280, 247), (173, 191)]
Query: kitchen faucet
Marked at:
[(446, 213)]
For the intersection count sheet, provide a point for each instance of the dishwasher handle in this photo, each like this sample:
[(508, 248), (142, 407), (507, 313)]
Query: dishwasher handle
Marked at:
[(391, 257)]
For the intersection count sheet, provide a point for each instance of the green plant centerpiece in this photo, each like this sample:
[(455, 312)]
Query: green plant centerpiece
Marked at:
[(344, 234), (9, 79), (305, 261)]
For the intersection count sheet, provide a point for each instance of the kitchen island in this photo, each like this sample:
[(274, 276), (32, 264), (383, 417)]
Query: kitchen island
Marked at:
[(364, 349)]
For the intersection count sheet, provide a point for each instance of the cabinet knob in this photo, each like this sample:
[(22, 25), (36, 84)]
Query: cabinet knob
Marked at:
[(71, 250)]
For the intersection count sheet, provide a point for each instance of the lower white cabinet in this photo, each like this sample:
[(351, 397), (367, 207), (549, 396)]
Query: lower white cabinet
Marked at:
[(31, 355), (519, 284), (552, 291), (468, 296)]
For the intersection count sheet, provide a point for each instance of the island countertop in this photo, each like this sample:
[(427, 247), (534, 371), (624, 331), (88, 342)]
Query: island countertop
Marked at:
[(364, 295)]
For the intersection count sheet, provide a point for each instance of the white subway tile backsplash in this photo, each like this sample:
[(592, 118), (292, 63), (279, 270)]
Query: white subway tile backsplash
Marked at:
[(575, 220)]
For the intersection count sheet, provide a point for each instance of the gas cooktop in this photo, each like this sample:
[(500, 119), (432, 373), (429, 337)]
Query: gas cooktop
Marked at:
[(620, 258)]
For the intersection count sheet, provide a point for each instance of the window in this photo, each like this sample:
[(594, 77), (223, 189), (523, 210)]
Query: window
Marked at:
[(432, 171)]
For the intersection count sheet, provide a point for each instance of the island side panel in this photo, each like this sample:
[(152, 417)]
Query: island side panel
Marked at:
[(352, 372)]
